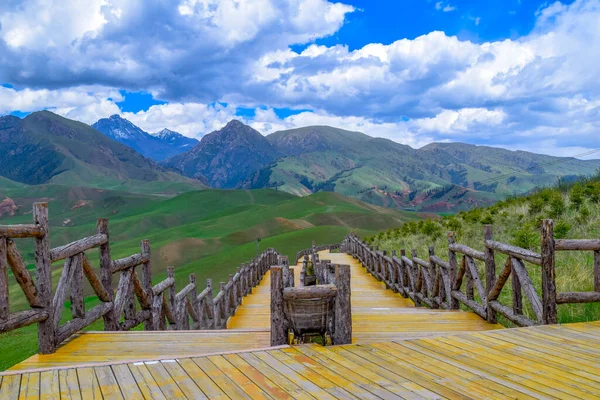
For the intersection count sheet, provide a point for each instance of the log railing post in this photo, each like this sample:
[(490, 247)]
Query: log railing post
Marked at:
[(171, 293), (106, 275), (394, 272), (343, 307), (195, 303), (4, 308), (433, 279), (278, 331), (453, 303), (231, 292), (147, 280), (548, 273), (490, 273), (210, 306), (46, 329)]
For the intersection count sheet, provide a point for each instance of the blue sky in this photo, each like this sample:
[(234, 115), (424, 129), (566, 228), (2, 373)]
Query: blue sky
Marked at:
[(520, 74)]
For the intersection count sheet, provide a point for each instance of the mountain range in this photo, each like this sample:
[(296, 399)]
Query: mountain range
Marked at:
[(116, 154), (158, 146)]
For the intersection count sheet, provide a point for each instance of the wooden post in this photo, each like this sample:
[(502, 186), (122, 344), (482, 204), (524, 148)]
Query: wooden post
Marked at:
[(224, 314), (4, 308), (394, 272), (433, 278), (147, 279), (46, 330), (77, 302), (517, 296), (292, 279), (453, 303), (278, 332), (171, 296), (210, 306), (548, 273), (490, 273), (231, 292), (597, 271), (110, 319), (195, 302), (343, 306)]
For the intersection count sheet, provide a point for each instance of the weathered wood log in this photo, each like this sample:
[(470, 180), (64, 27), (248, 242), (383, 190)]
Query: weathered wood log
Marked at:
[(548, 311), (143, 297), (124, 292), (278, 331), (476, 280), (343, 306), (461, 248), (141, 316), (62, 289), (169, 312), (22, 231), (170, 305), (499, 285), (577, 244), (514, 251), (75, 325), (184, 292), (452, 270), (162, 286), (490, 271), (157, 312), (597, 271), (43, 282), (517, 319), (435, 275), (460, 275), (106, 275), (78, 246), (4, 305), (418, 261), (23, 318), (517, 293), (309, 292), (128, 262), (472, 304), (441, 263), (146, 284), (193, 304), (22, 275), (77, 301), (527, 287), (577, 297)]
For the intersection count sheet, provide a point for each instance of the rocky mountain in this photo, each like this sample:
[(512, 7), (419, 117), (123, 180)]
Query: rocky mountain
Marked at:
[(226, 157), (158, 147), (46, 148)]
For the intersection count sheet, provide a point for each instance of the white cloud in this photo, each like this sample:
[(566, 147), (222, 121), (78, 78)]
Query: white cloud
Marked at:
[(447, 7)]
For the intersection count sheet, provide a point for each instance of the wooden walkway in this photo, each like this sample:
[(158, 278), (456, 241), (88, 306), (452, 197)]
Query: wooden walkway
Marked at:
[(400, 352), (377, 314), (529, 363)]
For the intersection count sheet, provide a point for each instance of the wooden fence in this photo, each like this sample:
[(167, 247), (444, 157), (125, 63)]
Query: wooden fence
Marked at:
[(440, 283), (161, 307)]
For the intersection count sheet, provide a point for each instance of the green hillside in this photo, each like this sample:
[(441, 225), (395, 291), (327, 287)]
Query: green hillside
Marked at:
[(206, 232), (440, 177), (575, 209), (46, 148)]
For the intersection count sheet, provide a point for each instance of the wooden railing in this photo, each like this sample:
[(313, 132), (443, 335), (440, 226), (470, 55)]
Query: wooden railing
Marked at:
[(161, 307), (438, 283)]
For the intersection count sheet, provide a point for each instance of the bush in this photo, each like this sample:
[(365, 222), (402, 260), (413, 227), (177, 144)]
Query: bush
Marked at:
[(561, 230), (584, 215), (557, 207), (526, 238), (576, 197), (536, 205)]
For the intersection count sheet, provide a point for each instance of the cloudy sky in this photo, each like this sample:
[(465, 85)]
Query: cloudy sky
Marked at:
[(521, 74)]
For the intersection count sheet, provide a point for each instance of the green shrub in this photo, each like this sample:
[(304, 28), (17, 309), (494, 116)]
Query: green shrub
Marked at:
[(561, 230), (537, 205), (557, 207)]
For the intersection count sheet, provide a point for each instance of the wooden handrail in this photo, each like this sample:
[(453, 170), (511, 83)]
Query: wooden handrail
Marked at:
[(436, 282)]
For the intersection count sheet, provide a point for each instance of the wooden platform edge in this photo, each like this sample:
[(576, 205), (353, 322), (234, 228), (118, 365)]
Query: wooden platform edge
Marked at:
[(137, 360)]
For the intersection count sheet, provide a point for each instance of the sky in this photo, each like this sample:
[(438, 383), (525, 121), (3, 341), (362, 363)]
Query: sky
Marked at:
[(519, 74)]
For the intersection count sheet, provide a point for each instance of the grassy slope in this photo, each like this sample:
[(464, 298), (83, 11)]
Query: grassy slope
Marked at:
[(575, 210), (208, 233)]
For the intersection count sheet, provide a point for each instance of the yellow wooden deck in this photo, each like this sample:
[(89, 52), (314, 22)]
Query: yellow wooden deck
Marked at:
[(377, 314), (393, 357), (528, 363)]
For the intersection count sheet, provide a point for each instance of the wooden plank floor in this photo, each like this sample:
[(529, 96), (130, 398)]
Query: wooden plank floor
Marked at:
[(549, 362), (102, 347), (377, 314)]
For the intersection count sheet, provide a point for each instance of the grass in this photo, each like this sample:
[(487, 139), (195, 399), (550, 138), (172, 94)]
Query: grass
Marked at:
[(208, 232), (575, 209)]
